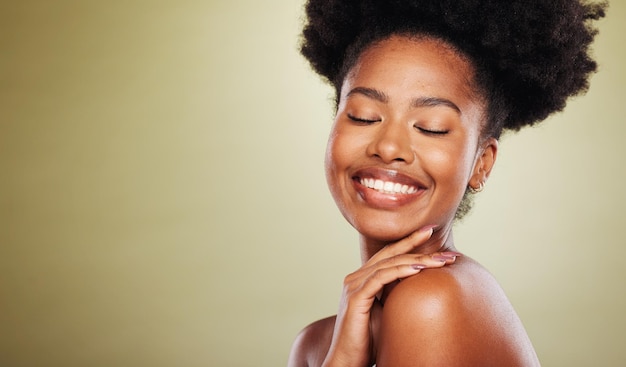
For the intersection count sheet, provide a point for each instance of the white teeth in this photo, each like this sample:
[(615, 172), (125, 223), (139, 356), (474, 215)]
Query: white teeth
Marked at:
[(388, 187)]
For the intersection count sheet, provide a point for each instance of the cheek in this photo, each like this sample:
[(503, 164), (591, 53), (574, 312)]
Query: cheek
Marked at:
[(335, 160), (449, 165), (341, 150), (330, 160)]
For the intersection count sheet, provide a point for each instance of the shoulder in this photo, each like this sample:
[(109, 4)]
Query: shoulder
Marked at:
[(453, 316), (312, 343)]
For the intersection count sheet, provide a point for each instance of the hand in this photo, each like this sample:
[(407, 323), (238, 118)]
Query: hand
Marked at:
[(351, 345)]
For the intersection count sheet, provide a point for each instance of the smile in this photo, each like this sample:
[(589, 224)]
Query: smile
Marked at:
[(387, 187)]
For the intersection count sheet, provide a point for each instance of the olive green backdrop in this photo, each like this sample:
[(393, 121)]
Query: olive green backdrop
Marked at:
[(162, 200)]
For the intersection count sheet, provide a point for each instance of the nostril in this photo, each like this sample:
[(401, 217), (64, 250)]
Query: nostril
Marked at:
[(391, 146)]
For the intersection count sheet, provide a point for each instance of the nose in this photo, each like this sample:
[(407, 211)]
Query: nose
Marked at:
[(392, 143)]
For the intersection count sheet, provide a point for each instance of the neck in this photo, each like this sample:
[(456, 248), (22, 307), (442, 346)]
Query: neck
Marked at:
[(441, 240)]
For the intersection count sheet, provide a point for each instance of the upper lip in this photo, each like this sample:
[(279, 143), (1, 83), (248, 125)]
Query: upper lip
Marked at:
[(388, 175)]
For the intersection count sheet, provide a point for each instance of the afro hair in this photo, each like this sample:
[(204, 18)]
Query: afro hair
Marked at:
[(530, 56)]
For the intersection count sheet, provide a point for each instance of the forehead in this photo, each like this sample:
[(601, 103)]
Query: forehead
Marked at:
[(407, 67)]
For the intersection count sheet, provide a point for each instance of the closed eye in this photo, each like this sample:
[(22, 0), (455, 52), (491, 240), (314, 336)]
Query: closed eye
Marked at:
[(432, 132), (362, 120)]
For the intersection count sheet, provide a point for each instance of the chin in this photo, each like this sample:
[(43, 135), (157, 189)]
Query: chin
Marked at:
[(392, 227), (387, 231)]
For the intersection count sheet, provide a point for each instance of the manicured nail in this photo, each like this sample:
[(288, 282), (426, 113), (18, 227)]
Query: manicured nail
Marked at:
[(442, 257), (418, 266), (428, 228), (452, 253)]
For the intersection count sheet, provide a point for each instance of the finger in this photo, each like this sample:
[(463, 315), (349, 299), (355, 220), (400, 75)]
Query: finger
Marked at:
[(381, 277), (404, 245), (403, 267), (435, 260), (447, 257), (418, 261)]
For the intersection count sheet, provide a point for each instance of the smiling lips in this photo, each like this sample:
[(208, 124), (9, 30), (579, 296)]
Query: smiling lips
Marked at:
[(386, 189)]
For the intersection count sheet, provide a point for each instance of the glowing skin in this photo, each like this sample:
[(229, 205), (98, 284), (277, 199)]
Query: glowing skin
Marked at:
[(405, 145), (407, 116)]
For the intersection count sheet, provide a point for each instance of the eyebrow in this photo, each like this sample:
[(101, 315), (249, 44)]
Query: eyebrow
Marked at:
[(416, 103), (370, 93), (433, 102)]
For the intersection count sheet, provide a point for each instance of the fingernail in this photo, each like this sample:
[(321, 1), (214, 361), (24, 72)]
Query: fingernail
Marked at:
[(452, 253), (418, 266), (442, 257), (428, 228)]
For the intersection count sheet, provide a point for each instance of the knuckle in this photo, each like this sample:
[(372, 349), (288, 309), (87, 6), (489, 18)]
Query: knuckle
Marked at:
[(379, 276), (347, 279), (390, 261), (350, 277)]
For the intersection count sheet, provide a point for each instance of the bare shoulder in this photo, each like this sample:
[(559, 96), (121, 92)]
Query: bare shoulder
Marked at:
[(312, 344), (454, 316)]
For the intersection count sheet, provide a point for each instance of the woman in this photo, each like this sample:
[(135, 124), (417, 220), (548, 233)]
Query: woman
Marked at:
[(424, 89)]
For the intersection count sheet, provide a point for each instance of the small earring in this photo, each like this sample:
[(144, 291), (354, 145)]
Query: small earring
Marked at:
[(481, 186)]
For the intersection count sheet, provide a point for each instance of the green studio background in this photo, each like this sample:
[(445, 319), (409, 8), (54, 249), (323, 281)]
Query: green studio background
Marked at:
[(163, 202)]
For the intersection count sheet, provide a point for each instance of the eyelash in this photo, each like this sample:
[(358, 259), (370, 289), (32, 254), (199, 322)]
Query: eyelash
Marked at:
[(420, 129), (432, 132), (361, 120)]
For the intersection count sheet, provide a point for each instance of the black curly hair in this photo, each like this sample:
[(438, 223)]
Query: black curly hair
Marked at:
[(529, 55)]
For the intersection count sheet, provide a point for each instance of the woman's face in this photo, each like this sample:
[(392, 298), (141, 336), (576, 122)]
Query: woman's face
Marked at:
[(405, 142)]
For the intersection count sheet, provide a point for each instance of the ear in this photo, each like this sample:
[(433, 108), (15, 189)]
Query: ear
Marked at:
[(485, 159)]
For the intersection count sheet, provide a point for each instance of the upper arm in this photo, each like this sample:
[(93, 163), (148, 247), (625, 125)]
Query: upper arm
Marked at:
[(311, 344), (432, 319), (423, 324), (297, 356)]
